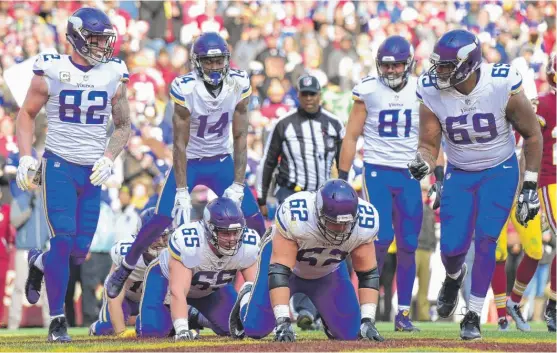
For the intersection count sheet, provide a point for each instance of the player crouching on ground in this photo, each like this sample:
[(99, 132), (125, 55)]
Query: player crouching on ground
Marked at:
[(115, 312), (304, 252), (199, 267)]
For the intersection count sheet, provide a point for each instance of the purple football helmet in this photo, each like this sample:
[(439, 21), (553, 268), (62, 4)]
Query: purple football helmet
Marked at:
[(225, 224), (337, 210), (456, 55), (393, 50), (91, 34), (208, 46), (160, 244)]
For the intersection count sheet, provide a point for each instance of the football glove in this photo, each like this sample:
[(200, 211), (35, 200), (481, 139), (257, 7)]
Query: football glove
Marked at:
[(436, 188), (284, 331), (369, 332), (185, 335), (528, 203), (418, 167), (182, 207), (235, 192), (26, 163), (102, 169)]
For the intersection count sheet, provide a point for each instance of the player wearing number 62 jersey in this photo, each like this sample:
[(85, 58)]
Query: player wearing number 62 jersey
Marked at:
[(304, 252), (115, 312), (199, 267), (207, 102), (386, 111), (475, 106), (80, 92)]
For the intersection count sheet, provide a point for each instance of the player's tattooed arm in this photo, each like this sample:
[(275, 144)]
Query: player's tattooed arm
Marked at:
[(122, 123), (181, 124), (36, 98), (240, 133), (430, 136), (520, 113)]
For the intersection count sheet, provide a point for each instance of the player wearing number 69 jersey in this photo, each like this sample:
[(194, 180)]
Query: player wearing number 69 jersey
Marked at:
[(115, 312), (386, 111), (80, 92), (198, 268), (304, 252), (207, 102), (475, 106)]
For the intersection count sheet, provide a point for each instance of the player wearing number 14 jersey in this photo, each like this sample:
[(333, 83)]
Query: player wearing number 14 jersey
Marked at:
[(475, 106), (386, 111), (79, 91), (207, 103)]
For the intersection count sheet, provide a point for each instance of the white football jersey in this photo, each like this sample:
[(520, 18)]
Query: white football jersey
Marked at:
[(211, 117), (478, 135), (79, 105), (296, 219), (392, 122), (118, 253), (189, 245)]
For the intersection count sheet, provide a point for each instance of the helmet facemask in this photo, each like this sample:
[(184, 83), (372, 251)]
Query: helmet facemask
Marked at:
[(212, 68), (336, 229), (155, 249), (225, 240), (394, 80)]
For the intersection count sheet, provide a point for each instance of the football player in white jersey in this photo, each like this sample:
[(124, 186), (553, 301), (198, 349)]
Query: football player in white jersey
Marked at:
[(207, 102), (115, 312), (475, 107), (79, 91), (199, 267), (304, 252), (386, 111)]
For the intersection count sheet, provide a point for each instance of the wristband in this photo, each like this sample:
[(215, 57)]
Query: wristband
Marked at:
[(281, 311), (531, 176), (368, 311), (181, 325)]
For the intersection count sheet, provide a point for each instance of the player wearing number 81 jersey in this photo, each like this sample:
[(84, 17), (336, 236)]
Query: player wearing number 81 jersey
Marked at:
[(80, 92), (304, 252), (475, 106), (386, 111), (199, 267)]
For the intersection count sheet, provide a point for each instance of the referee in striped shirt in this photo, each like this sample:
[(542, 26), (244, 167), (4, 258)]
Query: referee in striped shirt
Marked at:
[(306, 140)]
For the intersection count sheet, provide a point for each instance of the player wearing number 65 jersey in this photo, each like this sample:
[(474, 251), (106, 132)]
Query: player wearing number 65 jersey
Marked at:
[(475, 106), (199, 267), (207, 102), (80, 92), (386, 111), (115, 312), (304, 252)]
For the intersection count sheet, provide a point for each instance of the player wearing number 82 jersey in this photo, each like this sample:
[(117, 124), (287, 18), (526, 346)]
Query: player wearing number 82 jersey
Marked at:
[(80, 92), (474, 105), (304, 252)]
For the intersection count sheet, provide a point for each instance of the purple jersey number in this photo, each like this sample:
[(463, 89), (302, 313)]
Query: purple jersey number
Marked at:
[(482, 123), (217, 128)]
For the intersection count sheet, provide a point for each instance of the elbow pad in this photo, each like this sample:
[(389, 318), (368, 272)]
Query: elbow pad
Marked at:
[(368, 279), (278, 276)]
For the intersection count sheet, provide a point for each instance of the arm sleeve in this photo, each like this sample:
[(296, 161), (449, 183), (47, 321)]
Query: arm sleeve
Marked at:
[(269, 161)]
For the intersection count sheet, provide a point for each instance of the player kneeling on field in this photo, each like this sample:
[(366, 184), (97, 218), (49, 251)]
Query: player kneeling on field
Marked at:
[(304, 252), (199, 267), (115, 312)]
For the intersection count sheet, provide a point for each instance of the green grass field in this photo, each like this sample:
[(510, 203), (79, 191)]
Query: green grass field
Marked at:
[(438, 337)]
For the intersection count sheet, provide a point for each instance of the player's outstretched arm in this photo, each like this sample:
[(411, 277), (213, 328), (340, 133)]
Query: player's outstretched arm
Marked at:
[(240, 132), (282, 261), (365, 266), (36, 98), (115, 310), (354, 129), (181, 124), (520, 113), (122, 123), (179, 283)]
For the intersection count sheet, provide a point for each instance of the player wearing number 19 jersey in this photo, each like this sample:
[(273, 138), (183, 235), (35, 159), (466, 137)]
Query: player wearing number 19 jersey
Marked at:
[(304, 252), (80, 92), (475, 106), (386, 111), (207, 103)]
